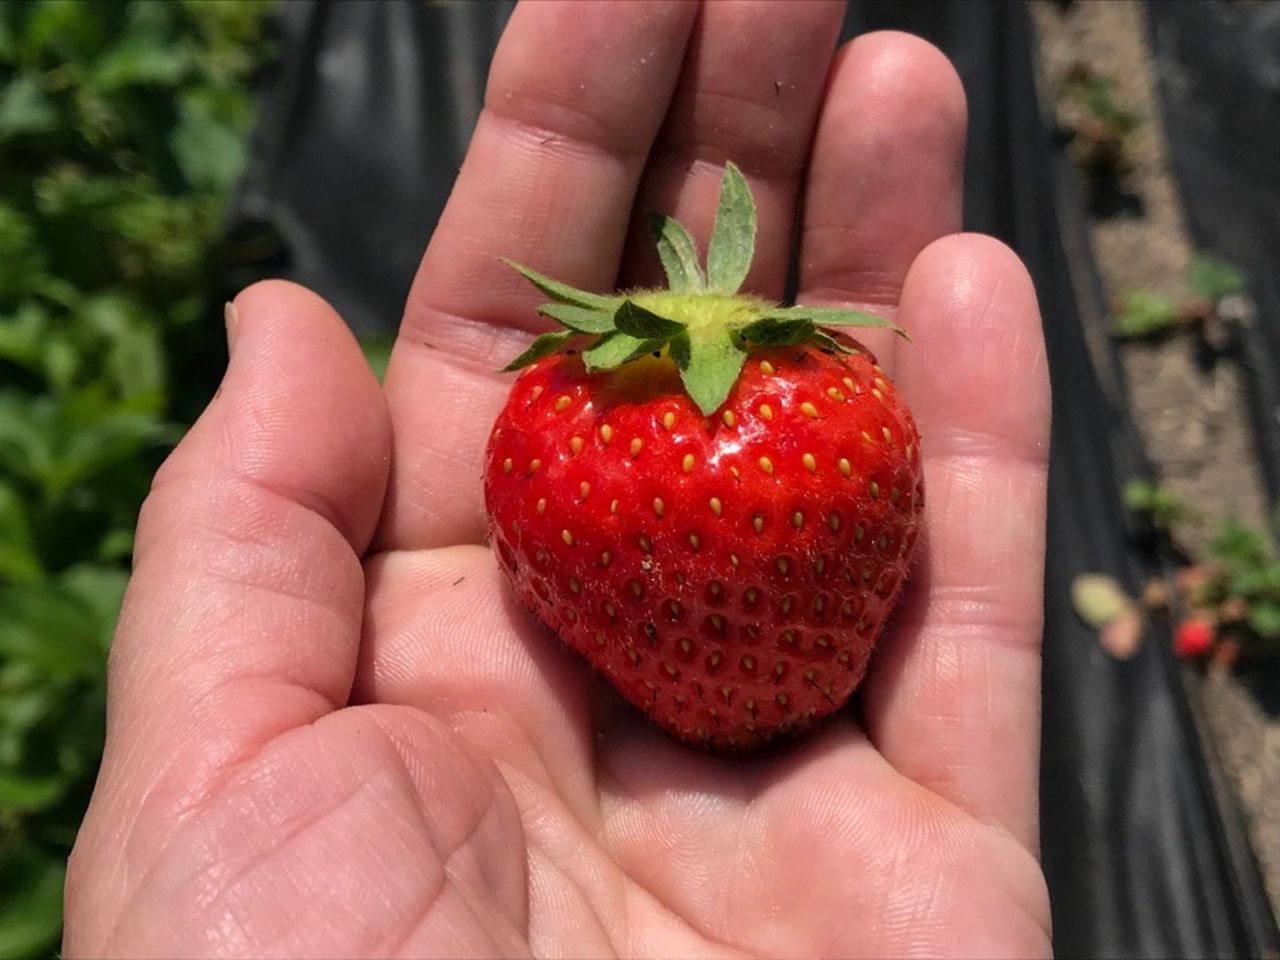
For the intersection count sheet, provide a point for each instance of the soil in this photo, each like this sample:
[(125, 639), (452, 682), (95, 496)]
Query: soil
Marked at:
[(1192, 418)]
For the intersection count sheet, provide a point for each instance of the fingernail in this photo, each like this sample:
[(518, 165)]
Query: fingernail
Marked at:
[(232, 318)]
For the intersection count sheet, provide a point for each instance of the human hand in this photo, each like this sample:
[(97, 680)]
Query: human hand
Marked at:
[(331, 731)]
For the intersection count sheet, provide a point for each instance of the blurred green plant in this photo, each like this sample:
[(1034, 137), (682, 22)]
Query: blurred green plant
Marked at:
[(1164, 508), (122, 133), (1149, 314)]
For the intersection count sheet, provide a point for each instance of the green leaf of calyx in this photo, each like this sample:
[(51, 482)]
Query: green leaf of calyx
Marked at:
[(543, 346), (562, 292), (838, 317), (778, 331), (616, 349), (578, 319), (709, 361), (733, 239), (636, 321), (678, 253)]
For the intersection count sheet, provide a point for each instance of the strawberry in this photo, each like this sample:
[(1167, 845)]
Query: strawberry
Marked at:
[(1193, 638), (717, 502)]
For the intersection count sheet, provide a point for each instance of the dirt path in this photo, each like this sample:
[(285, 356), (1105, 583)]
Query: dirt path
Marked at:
[(1192, 422)]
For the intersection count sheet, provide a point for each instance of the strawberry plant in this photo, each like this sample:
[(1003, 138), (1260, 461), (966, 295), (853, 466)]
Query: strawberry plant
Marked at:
[(713, 498), (122, 131), (1217, 300)]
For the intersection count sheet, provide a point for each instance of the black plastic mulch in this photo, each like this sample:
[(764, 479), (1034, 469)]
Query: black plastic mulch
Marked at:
[(361, 131)]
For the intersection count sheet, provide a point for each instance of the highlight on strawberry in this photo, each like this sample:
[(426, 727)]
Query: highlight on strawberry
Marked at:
[(712, 497)]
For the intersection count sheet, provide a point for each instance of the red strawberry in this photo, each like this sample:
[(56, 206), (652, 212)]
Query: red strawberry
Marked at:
[(1193, 638), (716, 504)]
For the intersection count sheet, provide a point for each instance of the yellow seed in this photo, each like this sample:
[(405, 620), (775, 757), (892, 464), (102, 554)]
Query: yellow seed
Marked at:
[(685, 645), (606, 558), (820, 565), (879, 382), (894, 495), (606, 432), (888, 437), (658, 506), (636, 445), (766, 411), (874, 489), (809, 410), (687, 462), (635, 657), (668, 419), (748, 662), (784, 566), (575, 585), (752, 594), (848, 382), (781, 698), (797, 519), (766, 368), (646, 545), (823, 641), (717, 622), (535, 393), (714, 588), (534, 464), (600, 638), (637, 587), (875, 392), (541, 505), (834, 522), (713, 661), (716, 506), (506, 465), (733, 559), (810, 463), (567, 537), (882, 542), (563, 404), (835, 394), (786, 603), (694, 542), (911, 450), (758, 522), (845, 468), (866, 436), (766, 465), (575, 445), (733, 472), (583, 489), (728, 418), (858, 533), (788, 637), (610, 609), (613, 507)]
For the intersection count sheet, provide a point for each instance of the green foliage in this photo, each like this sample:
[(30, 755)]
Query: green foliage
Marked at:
[(1095, 94), (1145, 313), (122, 131), (1159, 503), (1247, 569), (1213, 279)]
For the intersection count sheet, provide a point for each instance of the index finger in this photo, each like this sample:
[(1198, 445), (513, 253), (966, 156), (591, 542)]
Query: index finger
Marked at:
[(576, 94)]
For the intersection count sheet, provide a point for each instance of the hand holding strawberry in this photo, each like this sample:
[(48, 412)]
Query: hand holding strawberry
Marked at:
[(722, 539), (334, 729)]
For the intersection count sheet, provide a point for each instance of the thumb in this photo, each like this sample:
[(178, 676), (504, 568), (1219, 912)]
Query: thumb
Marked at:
[(243, 615)]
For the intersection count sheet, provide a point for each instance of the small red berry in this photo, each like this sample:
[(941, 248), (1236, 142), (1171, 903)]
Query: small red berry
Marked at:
[(1193, 639)]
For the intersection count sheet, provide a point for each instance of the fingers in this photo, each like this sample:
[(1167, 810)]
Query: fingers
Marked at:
[(953, 697), (243, 615), (886, 176), (576, 94), (749, 92)]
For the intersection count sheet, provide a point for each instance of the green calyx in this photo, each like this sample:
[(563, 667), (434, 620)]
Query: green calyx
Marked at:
[(701, 322)]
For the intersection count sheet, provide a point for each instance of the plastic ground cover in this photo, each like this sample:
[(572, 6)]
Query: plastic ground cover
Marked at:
[(361, 130)]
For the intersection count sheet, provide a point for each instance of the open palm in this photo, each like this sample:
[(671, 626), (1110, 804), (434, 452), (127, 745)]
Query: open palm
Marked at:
[(332, 732)]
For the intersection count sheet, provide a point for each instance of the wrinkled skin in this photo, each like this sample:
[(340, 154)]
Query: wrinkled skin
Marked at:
[(332, 732)]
